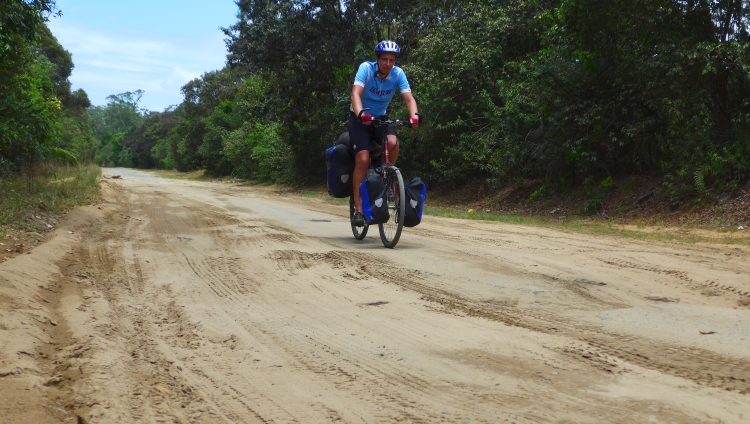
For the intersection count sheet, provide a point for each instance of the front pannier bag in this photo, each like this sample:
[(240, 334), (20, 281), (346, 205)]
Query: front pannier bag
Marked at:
[(340, 165), (374, 204), (416, 193)]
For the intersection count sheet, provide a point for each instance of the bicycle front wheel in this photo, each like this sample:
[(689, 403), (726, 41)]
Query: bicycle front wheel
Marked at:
[(390, 231)]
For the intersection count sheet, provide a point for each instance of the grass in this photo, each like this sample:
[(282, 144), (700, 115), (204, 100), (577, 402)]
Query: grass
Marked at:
[(59, 190), (199, 175), (636, 230), (580, 224)]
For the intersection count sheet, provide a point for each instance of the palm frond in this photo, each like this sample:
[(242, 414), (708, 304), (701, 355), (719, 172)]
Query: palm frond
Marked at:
[(61, 155)]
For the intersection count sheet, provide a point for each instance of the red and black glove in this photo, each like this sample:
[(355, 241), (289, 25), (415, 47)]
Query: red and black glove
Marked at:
[(365, 118), (415, 121)]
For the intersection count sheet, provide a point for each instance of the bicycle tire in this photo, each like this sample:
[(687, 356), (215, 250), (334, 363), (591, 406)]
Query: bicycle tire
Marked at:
[(390, 231), (359, 232)]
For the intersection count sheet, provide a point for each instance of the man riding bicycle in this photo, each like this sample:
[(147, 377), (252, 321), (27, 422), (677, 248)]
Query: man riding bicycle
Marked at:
[(374, 86)]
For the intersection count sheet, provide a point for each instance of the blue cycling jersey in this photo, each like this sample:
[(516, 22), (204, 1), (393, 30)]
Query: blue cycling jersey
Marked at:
[(378, 92)]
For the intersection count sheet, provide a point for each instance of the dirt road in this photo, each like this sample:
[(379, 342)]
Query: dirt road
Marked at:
[(176, 301)]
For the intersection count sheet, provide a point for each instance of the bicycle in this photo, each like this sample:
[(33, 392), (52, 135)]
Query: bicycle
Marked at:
[(390, 231)]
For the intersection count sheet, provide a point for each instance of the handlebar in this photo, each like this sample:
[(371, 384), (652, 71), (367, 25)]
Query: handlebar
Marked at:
[(394, 123)]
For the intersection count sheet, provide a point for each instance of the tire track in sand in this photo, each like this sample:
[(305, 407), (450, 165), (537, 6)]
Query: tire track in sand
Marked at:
[(698, 365)]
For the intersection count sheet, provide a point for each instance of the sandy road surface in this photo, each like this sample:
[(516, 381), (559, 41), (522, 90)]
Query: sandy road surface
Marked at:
[(179, 301)]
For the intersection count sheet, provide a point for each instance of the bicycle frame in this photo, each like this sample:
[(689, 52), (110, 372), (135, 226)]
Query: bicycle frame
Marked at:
[(384, 143), (387, 165), (390, 231)]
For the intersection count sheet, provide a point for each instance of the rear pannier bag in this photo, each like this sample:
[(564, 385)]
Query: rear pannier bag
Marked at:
[(416, 193), (374, 204), (340, 165)]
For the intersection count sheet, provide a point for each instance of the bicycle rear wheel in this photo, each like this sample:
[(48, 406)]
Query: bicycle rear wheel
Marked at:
[(359, 232), (390, 232)]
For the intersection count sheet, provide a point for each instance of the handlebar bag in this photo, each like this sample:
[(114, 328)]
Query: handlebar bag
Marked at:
[(374, 202), (340, 166), (416, 193)]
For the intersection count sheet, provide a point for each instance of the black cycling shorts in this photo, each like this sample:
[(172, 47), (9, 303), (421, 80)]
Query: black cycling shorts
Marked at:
[(361, 134)]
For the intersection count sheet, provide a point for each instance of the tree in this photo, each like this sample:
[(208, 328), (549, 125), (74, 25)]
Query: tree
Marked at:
[(309, 51), (111, 122), (40, 118), (28, 107), (565, 90)]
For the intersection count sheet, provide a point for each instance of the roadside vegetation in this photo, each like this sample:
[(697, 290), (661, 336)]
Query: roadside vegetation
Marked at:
[(46, 141), (566, 93), (582, 224), (652, 226), (56, 190), (542, 106)]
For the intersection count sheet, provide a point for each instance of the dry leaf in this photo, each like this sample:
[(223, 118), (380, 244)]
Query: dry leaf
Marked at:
[(42, 298), (71, 232), (163, 390), (707, 332)]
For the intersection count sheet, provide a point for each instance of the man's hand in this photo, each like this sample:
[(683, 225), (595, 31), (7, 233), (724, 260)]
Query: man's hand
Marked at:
[(366, 118), (415, 122)]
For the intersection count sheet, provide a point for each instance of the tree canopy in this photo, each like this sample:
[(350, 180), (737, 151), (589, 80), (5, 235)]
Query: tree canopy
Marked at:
[(561, 90), (40, 117)]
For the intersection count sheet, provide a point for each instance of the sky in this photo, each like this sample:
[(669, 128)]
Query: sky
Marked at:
[(156, 46)]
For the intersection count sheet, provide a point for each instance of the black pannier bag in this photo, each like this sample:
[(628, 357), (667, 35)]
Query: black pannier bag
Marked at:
[(345, 140), (340, 165), (374, 202), (416, 193)]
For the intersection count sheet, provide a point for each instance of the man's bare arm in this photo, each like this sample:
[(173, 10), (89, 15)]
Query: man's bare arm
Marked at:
[(357, 91), (411, 105)]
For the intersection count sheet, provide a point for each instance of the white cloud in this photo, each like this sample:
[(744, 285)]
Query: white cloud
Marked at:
[(178, 77), (112, 62)]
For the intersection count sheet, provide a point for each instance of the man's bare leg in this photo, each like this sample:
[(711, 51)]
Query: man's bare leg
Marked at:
[(361, 163), (392, 148)]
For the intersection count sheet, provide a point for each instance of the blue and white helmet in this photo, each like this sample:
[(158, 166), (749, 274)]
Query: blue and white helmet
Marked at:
[(387, 46)]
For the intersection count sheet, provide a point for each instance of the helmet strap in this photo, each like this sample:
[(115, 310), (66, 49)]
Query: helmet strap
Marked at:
[(377, 68)]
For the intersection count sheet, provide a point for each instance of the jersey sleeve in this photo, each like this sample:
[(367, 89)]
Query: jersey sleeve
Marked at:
[(361, 78), (403, 84)]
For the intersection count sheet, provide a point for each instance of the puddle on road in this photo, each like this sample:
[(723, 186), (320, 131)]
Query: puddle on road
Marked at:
[(125, 173)]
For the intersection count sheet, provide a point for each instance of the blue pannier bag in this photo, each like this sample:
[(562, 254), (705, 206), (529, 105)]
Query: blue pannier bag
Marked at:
[(340, 165), (416, 193), (374, 204)]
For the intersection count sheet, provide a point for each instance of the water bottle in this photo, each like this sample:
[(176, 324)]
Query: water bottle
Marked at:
[(370, 172)]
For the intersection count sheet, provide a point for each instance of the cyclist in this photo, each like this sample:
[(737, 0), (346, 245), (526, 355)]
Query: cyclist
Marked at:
[(374, 86)]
